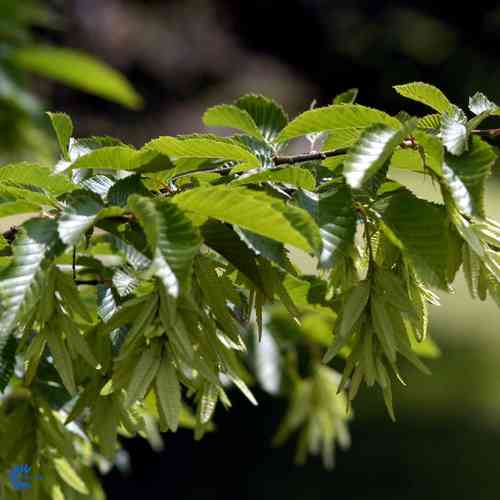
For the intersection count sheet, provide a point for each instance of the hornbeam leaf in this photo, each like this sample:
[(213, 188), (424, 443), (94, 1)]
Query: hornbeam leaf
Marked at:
[(7, 360), (294, 176), (171, 237), (257, 212), (79, 70), (114, 158), (70, 476), (480, 104), (347, 97), (269, 116), (454, 131), (213, 292), (465, 176), (352, 310), (208, 401), (336, 218), (63, 127), (426, 94), (373, 149), (98, 184), (341, 138), (17, 207), (224, 240), (80, 214), (62, 357), (422, 228), (168, 393), (432, 121), (120, 191), (230, 116), (20, 284), (269, 249), (337, 116), (201, 148), (143, 374), (35, 175)]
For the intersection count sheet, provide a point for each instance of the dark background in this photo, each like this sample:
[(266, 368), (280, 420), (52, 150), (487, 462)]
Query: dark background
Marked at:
[(184, 56)]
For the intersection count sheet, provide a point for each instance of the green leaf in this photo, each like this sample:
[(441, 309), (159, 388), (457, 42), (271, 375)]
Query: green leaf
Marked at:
[(347, 97), (7, 360), (120, 191), (143, 374), (465, 176), (17, 207), (407, 159), (433, 151), (62, 358), (479, 104), (201, 148), (335, 215), (34, 175), (208, 401), (71, 299), (171, 237), (373, 149), (114, 158), (341, 138), (63, 127), (70, 476), (168, 393), (80, 214), (294, 176), (78, 70), (230, 116), (269, 116), (257, 212), (432, 122), (454, 131), (426, 94), (215, 297), (422, 228), (223, 239), (337, 116), (21, 283), (352, 310), (269, 249)]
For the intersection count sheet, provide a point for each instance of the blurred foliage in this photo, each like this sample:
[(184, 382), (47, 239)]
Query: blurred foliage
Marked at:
[(21, 111)]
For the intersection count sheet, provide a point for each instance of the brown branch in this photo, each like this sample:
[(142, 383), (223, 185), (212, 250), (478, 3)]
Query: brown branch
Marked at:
[(322, 155), (489, 132)]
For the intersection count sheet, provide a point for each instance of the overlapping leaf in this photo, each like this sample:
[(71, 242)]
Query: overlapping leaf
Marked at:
[(269, 116), (421, 227), (254, 211), (336, 218), (20, 284), (337, 116), (465, 176), (172, 239), (373, 149), (202, 148), (80, 215), (230, 116), (426, 94)]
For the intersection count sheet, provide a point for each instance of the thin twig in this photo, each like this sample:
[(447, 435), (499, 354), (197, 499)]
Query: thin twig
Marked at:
[(322, 155), (490, 132)]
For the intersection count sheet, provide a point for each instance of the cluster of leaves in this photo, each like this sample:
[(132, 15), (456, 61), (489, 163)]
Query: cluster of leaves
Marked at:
[(21, 112), (154, 279)]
